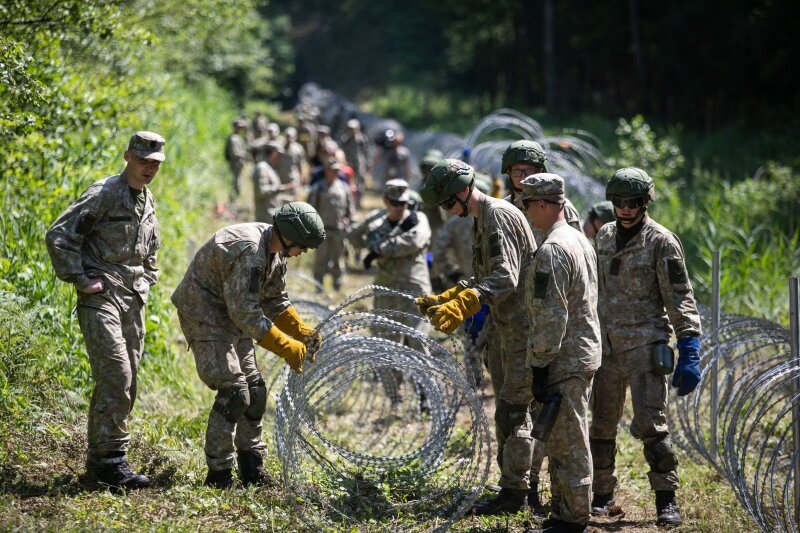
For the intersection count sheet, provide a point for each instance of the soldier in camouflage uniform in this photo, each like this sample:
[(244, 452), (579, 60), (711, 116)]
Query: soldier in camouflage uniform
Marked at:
[(105, 244), (644, 294), (434, 214), (503, 248), (599, 215), (234, 292), (332, 199), (236, 153), (269, 193), (563, 346), (525, 158), (356, 151)]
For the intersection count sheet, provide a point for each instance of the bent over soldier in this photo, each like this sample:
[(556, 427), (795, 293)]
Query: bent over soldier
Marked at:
[(234, 292), (105, 244), (644, 294), (563, 346), (503, 248)]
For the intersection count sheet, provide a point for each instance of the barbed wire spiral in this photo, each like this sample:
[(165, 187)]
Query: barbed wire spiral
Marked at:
[(386, 425)]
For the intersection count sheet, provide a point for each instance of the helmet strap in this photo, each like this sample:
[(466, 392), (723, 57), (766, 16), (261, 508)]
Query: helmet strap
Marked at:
[(465, 203), (283, 243), (628, 220)]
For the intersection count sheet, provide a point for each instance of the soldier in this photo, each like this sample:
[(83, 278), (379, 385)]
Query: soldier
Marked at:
[(269, 193), (234, 292), (599, 214), (355, 146), (105, 244), (295, 158), (503, 248), (525, 158), (563, 346), (332, 199), (393, 160), (434, 214), (236, 153), (397, 239), (644, 294)]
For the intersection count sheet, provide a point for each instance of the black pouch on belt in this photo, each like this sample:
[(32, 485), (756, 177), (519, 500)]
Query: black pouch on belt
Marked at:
[(663, 359), (547, 417)]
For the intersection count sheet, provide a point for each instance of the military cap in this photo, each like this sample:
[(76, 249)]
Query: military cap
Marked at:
[(147, 145), (323, 129), (239, 123), (397, 190), (333, 163), (603, 210), (542, 185)]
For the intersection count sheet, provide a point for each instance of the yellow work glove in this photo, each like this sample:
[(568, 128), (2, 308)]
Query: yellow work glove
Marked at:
[(294, 352), (290, 323), (426, 302), (448, 316)]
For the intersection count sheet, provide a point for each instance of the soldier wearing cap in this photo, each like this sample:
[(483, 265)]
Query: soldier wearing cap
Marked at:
[(356, 151), (234, 291), (269, 193), (599, 214), (105, 244), (236, 153), (331, 197), (293, 167), (563, 345), (503, 248), (397, 239)]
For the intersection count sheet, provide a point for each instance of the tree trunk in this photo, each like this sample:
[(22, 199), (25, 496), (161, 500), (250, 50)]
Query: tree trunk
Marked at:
[(549, 55)]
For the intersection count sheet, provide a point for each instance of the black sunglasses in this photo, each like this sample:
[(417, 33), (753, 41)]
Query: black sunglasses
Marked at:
[(302, 247), (448, 204), (528, 201), (396, 203), (622, 202)]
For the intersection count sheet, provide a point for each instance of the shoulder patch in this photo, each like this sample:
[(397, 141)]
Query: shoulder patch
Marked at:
[(541, 281), (255, 280), (86, 224), (677, 270), (495, 246), (614, 268)]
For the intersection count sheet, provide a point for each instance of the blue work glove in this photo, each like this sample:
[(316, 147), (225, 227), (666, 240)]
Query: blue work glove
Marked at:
[(687, 371), (541, 374), (474, 324)]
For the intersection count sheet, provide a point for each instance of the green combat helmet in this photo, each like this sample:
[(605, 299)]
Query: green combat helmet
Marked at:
[(630, 182), (529, 152), (430, 159), (483, 182), (602, 210), (300, 223), (445, 179)]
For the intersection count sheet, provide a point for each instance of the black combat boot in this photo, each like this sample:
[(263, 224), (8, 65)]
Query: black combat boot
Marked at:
[(602, 504), (251, 470), (116, 472), (509, 501), (534, 503), (551, 525), (667, 509), (219, 479)]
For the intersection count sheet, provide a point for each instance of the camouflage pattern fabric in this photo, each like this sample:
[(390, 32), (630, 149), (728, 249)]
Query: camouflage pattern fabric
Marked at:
[(452, 248), (225, 365), (289, 170), (567, 447), (570, 214), (268, 195), (562, 304), (234, 283), (356, 152), (393, 164), (336, 208), (101, 236), (503, 249), (236, 155)]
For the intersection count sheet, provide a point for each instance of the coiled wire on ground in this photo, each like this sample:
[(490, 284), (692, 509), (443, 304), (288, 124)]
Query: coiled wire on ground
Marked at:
[(757, 391), (378, 433)]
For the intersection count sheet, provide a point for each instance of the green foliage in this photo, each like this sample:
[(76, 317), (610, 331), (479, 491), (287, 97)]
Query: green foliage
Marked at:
[(639, 146)]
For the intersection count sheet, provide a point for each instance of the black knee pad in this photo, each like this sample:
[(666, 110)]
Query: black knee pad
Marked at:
[(604, 453), (232, 402), (660, 455), (508, 416), (258, 400)]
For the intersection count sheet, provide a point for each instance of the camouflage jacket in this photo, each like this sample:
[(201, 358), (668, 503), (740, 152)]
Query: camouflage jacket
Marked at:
[(234, 283), (570, 213), (502, 252), (334, 203), (235, 149), (355, 149), (452, 247), (267, 191), (644, 288), (402, 247), (100, 235), (562, 304)]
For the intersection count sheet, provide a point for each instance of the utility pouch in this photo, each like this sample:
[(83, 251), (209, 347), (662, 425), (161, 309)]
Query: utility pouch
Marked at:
[(547, 418), (663, 359)]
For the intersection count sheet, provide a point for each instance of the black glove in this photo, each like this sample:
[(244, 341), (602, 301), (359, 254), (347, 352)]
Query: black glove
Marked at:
[(409, 222), (539, 383), (369, 258)]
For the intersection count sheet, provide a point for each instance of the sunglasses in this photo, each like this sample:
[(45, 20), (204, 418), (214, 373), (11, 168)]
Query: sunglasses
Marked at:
[(302, 247), (396, 203), (621, 202), (448, 204), (522, 173), (528, 201)]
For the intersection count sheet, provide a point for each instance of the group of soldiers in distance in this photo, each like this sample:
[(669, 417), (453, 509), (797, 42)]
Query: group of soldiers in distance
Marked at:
[(544, 304)]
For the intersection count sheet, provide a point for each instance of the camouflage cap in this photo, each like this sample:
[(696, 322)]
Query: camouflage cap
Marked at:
[(397, 190), (147, 145), (542, 185), (239, 123), (603, 210), (265, 146), (323, 129)]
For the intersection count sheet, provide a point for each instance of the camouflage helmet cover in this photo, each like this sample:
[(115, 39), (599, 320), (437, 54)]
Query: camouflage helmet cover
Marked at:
[(446, 178), (397, 190), (300, 223), (483, 182), (529, 152), (603, 210), (431, 157), (630, 181)]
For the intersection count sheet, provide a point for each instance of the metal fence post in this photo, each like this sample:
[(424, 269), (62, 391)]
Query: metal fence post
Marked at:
[(794, 333), (717, 312)]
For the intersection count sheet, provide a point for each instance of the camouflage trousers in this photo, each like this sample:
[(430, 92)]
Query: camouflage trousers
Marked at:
[(567, 447), (114, 338), (225, 363), (236, 166), (511, 383), (329, 257), (634, 369)]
